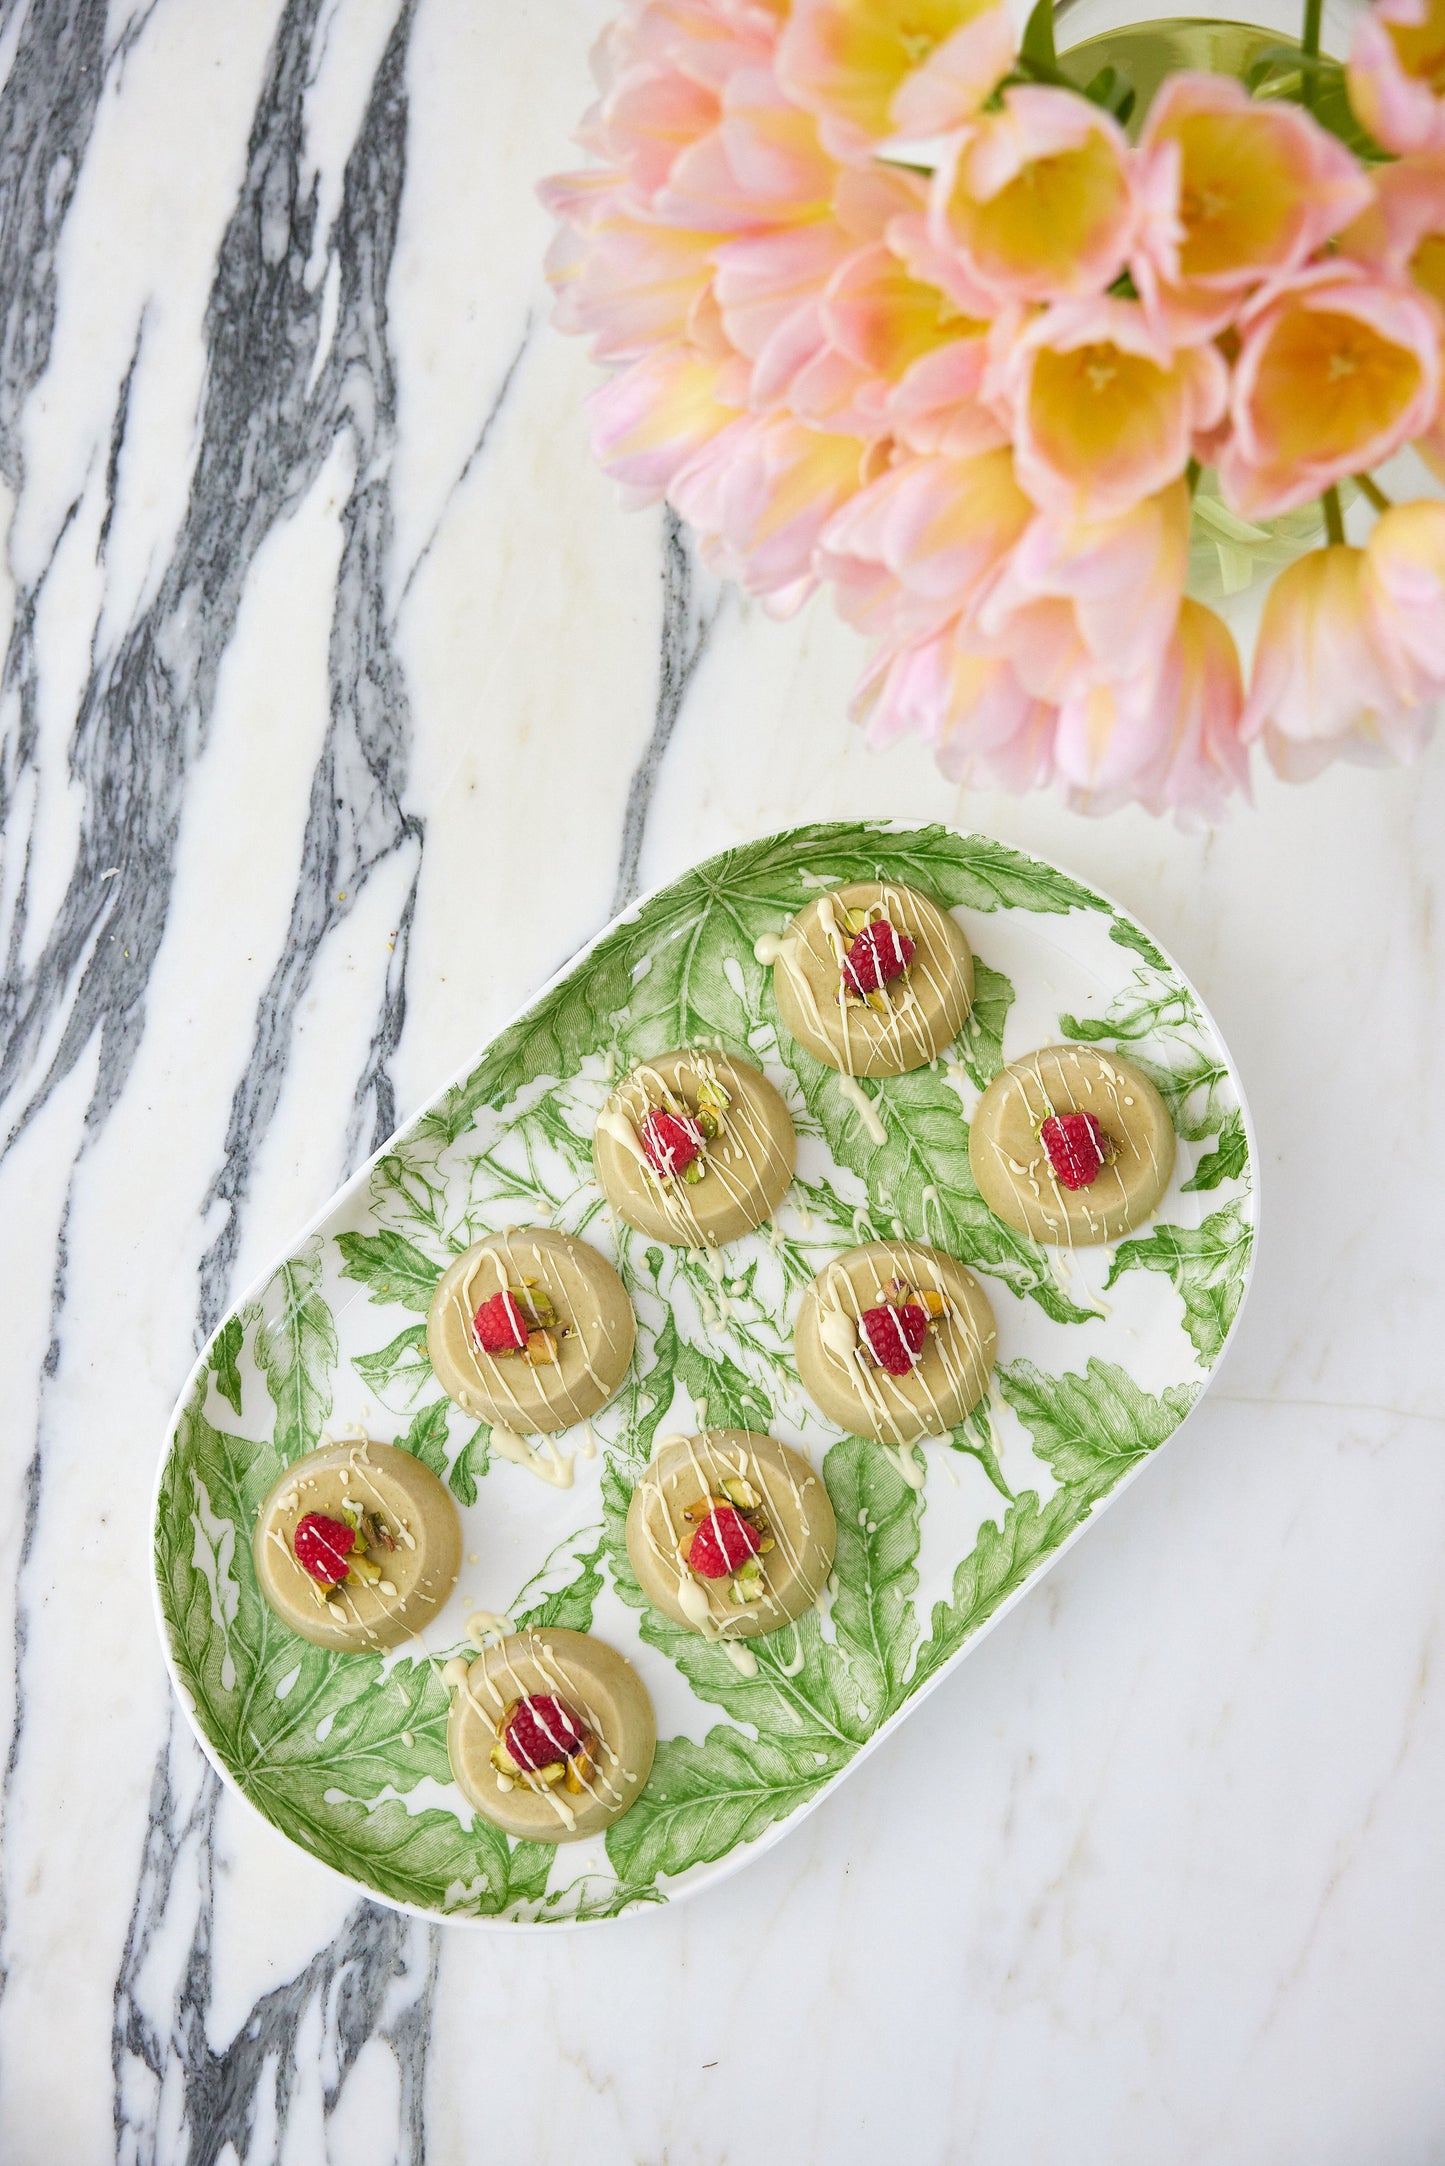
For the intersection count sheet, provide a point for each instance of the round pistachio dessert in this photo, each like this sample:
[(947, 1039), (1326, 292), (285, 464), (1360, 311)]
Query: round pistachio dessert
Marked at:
[(872, 978), (1071, 1146), (730, 1533), (531, 1330), (357, 1545), (551, 1734), (895, 1341), (694, 1149)]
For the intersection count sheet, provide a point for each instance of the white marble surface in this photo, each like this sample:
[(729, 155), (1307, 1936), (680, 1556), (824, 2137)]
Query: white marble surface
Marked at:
[(323, 638)]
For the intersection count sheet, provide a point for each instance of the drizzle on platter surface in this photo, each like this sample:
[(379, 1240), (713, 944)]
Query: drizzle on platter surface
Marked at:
[(1101, 1354)]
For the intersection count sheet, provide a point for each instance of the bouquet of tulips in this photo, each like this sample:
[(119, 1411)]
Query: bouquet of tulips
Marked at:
[(892, 301)]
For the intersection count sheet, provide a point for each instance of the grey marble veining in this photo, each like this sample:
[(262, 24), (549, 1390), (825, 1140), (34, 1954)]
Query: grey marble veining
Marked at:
[(339, 703)]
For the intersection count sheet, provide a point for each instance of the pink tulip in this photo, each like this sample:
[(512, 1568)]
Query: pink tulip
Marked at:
[(1036, 200), (1328, 683), (1238, 191), (868, 69), (760, 496), (1123, 579), (653, 418), (985, 728), (1167, 737), (1105, 413), (892, 357), (772, 289), (1335, 372), (629, 284), (1404, 578), (761, 164), (1395, 73), (1401, 232), (942, 528), (938, 403)]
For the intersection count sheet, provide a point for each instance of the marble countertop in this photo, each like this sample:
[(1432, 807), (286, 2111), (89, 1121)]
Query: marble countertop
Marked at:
[(341, 703)]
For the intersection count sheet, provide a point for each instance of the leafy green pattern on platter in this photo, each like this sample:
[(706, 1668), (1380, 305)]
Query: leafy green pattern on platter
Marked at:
[(346, 1754)]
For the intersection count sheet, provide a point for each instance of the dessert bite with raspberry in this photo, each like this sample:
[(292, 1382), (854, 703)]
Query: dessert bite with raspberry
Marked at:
[(550, 1734), (730, 1533), (895, 1341), (357, 1545), (531, 1330), (1072, 1146), (694, 1149), (873, 978)]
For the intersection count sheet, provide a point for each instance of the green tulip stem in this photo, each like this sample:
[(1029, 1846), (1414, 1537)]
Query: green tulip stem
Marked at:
[(1334, 518), (1310, 46)]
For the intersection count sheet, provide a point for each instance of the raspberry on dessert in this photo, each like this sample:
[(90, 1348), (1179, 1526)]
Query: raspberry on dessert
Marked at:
[(543, 1730), (670, 1141), (877, 956), (323, 1548), (500, 1324), (894, 1336), (1077, 1146), (723, 1543)]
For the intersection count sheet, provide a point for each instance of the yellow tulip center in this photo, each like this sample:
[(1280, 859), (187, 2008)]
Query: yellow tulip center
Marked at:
[(1421, 46), (872, 45), (1048, 216), (1239, 196), (1328, 384), (1095, 406), (917, 44), (1427, 267)]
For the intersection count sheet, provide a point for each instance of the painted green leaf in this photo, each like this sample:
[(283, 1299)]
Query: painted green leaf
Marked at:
[(529, 1866), (1198, 1091), (813, 1701), (1092, 1429), (569, 1606), (391, 1268), (732, 1399), (1208, 1264), (1227, 1160), (878, 1514), (1000, 1562), (980, 1042), (225, 1350), (1126, 934), (308, 1732), (295, 1348), (471, 1463), (426, 1436), (399, 1370), (921, 1174), (976, 1438), (701, 1801), (425, 1857), (1155, 1002)]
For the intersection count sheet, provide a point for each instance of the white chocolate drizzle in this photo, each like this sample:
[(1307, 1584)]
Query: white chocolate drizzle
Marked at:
[(864, 1107), (551, 1466)]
